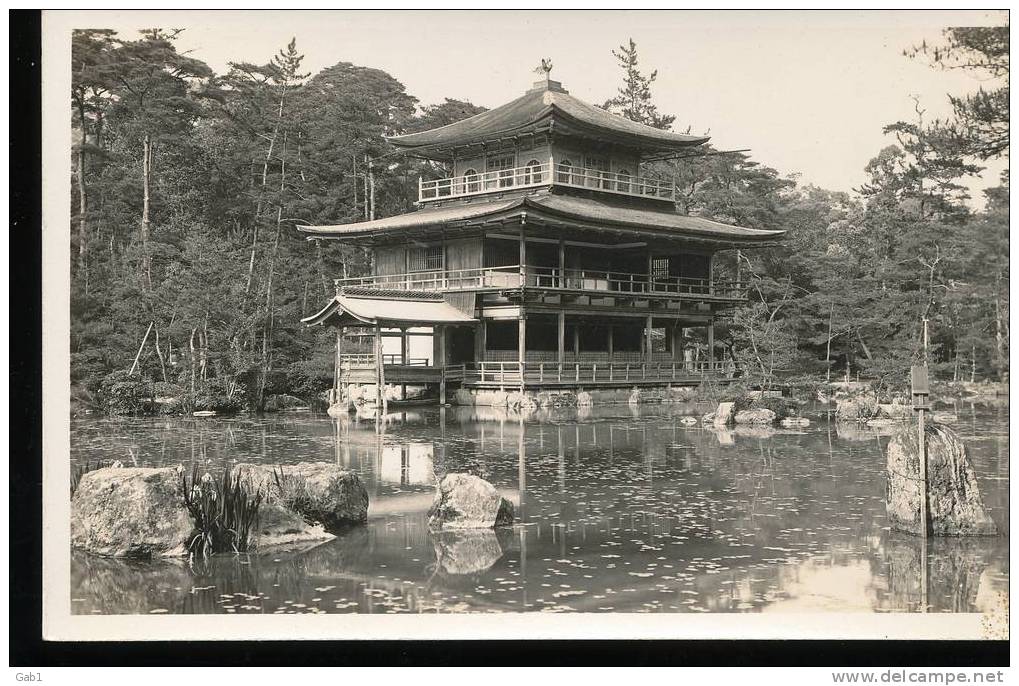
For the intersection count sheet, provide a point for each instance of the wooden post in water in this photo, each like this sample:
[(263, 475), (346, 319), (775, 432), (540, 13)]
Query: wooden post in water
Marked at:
[(921, 391)]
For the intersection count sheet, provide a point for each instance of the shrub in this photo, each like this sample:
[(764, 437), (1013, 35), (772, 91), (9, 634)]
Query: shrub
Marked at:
[(224, 512), (123, 394), (216, 394), (78, 471)]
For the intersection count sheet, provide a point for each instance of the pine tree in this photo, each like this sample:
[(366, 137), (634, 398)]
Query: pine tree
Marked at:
[(633, 100)]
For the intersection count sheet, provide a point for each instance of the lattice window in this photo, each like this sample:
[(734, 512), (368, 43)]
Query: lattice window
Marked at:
[(503, 164)]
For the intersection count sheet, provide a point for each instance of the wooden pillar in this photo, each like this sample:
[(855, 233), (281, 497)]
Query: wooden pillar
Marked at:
[(561, 326), (380, 372), (440, 360), (404, 358), (576, 340), (562, 262), (647, 339), (338, 372), (711, 344), (677, 342), (610, 344), (523, 256), (521, 337), (480, 344)]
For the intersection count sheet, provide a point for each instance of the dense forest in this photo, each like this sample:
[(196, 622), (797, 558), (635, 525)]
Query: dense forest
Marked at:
[(189, 276)]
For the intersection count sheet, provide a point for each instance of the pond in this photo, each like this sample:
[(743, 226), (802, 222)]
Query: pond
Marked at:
[(620, 509)]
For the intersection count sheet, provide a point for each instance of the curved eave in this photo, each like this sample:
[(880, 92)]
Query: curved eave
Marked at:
[(550, 116), (562, 209), (665, 224), (386, 308)]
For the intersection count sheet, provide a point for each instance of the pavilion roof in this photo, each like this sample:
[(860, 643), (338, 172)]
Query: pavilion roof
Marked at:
[(369, 306), (546, 107), (574, 210)]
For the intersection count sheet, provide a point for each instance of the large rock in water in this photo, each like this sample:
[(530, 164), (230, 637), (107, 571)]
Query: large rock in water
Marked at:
[(463, 501), (954, 503), (724, 414), (760, 415), (856, 408), (321, 492), (130, 512)]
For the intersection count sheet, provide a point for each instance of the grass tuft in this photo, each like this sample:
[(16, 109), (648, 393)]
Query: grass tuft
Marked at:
[(78, 471), (224, 511)]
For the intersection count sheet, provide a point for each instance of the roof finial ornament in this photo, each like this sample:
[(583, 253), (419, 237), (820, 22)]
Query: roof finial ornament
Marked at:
[(545, 68)]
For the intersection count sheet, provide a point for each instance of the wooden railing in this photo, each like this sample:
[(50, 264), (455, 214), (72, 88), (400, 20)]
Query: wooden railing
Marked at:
[(545, 174), (517, 373), (552, 278), (368, 360)]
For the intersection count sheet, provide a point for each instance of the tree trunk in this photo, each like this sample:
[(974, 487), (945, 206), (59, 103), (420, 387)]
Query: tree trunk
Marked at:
[(269, 321), (827, 356), (371, 191), (146, 176), (863, 345), (159, 354), (82, 191), (999, 342)]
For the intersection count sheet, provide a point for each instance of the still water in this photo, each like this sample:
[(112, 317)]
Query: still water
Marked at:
[(620, 509)]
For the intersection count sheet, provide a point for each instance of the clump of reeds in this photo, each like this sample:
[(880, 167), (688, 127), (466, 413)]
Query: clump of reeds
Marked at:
[(291, 490), (78, 471), (225, 512)]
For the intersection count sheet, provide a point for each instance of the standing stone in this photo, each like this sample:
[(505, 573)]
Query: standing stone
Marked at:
[(954, 503), (725, 414), (130, 512), (464, 501)]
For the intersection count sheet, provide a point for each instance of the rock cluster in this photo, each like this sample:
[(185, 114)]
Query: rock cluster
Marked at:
[(140, 512)]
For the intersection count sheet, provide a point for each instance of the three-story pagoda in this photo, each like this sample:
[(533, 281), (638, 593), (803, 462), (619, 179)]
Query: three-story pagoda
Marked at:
[(544, 260)]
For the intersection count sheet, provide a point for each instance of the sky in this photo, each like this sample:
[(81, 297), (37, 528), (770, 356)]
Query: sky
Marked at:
[(807, 92)]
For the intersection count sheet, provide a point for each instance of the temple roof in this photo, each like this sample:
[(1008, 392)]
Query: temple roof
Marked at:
[(368, 307), (565, 209), (546, 107)]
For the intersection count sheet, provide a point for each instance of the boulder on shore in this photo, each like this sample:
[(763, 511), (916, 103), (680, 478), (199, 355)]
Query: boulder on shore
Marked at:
[(464, 501), (321, 492), (130, 512), (760, 415), (954, 504)]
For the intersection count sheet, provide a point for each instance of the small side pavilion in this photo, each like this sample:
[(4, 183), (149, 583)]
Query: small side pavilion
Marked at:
[(379, 313)]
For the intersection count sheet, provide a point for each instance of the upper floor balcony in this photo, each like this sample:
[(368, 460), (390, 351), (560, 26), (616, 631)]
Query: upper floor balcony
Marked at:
[(592, 282), (544, 174)]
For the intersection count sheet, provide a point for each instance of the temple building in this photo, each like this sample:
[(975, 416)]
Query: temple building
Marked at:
[(544, 260)]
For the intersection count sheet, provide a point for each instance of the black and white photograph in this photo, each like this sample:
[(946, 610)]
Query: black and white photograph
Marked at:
[(522, 324)]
